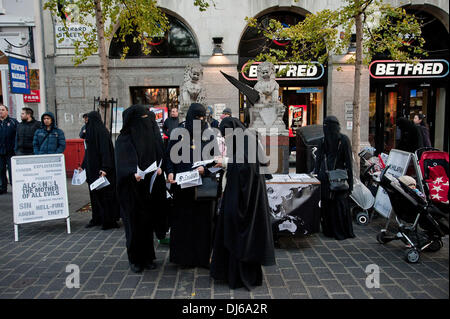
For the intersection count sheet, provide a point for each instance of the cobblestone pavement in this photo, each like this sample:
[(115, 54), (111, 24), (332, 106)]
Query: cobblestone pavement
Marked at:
[(307, 267)]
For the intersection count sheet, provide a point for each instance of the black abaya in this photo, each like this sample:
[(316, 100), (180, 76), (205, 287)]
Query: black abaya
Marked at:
[(243, 240), (191, 221), (99, 156), (138, 145), (336, 217)]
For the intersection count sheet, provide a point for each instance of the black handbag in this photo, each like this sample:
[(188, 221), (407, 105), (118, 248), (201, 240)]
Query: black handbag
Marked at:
[(208, 189), (337, 178)]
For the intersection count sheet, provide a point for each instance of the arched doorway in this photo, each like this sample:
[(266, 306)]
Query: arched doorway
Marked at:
[(302, 92)]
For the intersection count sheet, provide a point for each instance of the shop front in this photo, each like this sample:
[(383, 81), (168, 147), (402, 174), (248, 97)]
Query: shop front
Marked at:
[(302, 86), (401, 89)]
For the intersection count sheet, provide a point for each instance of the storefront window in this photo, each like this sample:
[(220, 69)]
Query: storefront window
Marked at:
[(372, 118), (155, 96), (390, 116)]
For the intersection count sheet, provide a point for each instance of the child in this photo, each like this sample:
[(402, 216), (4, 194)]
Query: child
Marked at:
[(411, 183)]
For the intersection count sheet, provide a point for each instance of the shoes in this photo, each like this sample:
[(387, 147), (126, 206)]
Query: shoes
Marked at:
[(150, 266), (110, 226), (91, 224), (136, 268)]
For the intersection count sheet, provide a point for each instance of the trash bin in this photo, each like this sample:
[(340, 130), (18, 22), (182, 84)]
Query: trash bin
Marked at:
[(73, 154), (308, 137)]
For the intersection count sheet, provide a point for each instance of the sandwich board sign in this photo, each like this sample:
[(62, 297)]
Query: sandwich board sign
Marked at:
[(399, 163), (39, 189)]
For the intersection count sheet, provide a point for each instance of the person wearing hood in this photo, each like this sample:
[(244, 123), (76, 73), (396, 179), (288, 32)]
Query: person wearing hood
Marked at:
[(243, 239), (48, 139), (192, 220), (139, 145), (410, 135), (334, 153), (99, 161)]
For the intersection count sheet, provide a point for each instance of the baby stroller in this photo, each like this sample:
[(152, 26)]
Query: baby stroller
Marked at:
[(420, 224), (364, 189), (434, 176)]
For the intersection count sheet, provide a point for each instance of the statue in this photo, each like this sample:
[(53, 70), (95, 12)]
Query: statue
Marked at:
[(268, 112), (192, 90), (266, 85)]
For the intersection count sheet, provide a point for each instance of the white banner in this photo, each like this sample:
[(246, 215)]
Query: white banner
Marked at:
[(39, 188)]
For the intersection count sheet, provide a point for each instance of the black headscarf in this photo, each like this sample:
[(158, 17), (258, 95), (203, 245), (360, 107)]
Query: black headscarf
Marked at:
[(138, 123), (332, 134), (195, 111), (100, 150)]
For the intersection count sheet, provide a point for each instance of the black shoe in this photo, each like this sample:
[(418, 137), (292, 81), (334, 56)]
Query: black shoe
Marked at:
[(92, 224), (110, 226), (150, 266), (136, 268)]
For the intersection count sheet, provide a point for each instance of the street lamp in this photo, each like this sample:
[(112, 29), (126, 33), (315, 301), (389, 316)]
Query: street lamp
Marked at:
[(217, 46)]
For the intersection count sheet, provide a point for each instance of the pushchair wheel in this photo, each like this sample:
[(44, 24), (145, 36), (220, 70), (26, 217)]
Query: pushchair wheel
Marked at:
[(362, 218), (412, 255), (381, 238), (435, 246)]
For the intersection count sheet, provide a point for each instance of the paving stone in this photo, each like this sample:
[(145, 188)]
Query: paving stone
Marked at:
[(163, 294), (310, 279), (124, 293), (318, 293), (296, 287), (203, 282), (145, 289), (130, 282), (167, 282), (275, 281), (304, 268), (280, 293), (289, 274), (357, 292), (332, 286)]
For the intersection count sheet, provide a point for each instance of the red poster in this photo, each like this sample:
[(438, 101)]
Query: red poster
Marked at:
[(33, 97), (297, 118)]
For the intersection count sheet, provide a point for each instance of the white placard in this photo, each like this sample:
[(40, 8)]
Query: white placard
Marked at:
[(79, 177), (399, 162), (187, 177), (39, 189)]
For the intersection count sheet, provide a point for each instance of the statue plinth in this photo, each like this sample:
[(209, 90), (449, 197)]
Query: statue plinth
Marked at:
[(267, 121)]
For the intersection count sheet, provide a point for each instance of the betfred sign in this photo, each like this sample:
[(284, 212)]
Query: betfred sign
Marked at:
[(33, 97), (294, 71), (388, 69)]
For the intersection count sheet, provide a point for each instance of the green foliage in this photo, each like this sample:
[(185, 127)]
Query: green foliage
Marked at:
[(141, 18), (386, 30)]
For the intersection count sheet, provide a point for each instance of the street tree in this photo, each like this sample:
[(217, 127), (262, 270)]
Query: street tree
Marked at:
[(142, 19), (379, 28)]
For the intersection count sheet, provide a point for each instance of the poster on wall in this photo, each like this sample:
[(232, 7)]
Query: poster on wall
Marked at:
[(297, 118), (19, 76), (161, 115), (39, 189), (117, 120)]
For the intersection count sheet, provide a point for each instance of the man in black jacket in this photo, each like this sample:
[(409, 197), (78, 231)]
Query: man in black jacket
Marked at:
[(170, 123), (25, 132), (8, 127)]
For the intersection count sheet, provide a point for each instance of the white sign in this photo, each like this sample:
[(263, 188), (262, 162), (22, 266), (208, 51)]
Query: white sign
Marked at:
[(76, 33), (39, 189), (399, 162)]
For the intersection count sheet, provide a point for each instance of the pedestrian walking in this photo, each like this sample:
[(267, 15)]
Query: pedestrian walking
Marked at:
[(243, 239), (8, 127), (421, 123), (25, 132), (48, 139), (99, 161), (334, 153), (192, 220), (140, 145)]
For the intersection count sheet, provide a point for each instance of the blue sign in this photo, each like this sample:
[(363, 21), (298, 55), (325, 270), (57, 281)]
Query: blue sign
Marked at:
[(19, 76), (309, 90)]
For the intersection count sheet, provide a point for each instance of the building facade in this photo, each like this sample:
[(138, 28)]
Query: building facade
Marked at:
[(324, 90), (21, 38)]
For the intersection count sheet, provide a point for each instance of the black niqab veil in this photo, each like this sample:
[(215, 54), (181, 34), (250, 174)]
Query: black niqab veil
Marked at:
[(195, 111), (244, 239), (332, 133), (138, 123)]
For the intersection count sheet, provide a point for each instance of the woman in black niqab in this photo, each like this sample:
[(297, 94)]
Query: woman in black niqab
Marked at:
[(243, 240), (99, 161), (336, 217), (192, 220), (140, 145)]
